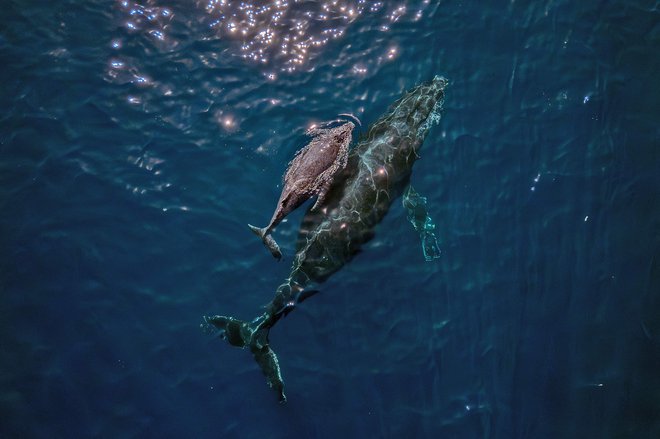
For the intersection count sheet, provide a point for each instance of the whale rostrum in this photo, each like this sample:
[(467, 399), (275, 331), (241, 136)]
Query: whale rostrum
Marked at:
[(310, 173), (376, 173)]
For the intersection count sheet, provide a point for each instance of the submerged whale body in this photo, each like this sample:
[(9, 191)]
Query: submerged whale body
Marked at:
[(377, 172)]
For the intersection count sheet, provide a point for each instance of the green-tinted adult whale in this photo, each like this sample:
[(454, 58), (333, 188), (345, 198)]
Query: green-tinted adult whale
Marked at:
[(377, 172)]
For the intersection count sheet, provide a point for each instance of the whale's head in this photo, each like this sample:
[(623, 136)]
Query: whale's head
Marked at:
[(396, 137), (343, 133), (420, 108)]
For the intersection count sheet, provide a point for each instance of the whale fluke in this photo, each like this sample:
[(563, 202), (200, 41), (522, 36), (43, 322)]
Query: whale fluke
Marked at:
[(268, 240), (240, 334)]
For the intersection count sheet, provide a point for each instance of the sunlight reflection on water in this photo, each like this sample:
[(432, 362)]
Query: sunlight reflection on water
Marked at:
[(282, 34), (287, 31)]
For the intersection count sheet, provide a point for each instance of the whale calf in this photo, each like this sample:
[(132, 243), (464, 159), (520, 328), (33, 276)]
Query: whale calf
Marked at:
[(310, 172), (377, 172)]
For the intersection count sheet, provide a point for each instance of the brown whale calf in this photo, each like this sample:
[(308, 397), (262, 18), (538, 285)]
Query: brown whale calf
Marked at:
[(310, 173)]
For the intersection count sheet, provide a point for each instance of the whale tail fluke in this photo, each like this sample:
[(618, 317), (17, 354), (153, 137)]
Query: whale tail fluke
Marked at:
[(268, 241), (237, 332), (241, 334)]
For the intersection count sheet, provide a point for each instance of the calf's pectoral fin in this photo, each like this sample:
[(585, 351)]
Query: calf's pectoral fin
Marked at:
[(323, 193)]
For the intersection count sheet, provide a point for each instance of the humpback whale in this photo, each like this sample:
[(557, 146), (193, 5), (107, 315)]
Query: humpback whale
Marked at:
[(377, 172), (310, 172)]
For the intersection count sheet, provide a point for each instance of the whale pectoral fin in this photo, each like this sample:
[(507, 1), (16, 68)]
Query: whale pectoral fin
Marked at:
[(323, 193), (418, 215), (430, 246), (316, 205)]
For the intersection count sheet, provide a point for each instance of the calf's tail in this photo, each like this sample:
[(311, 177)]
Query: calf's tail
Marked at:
[(268, 240)]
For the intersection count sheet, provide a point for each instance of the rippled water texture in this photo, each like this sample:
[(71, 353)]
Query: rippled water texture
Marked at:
[(137, 140)]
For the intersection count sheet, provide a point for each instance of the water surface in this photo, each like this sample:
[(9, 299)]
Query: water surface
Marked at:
[(137, 140)]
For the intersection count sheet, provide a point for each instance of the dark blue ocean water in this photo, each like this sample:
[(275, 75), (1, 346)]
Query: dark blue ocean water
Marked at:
[(137, 140)]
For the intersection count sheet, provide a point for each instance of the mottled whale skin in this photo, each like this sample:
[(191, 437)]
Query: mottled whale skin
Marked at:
[(310, 173), (377, 172)]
